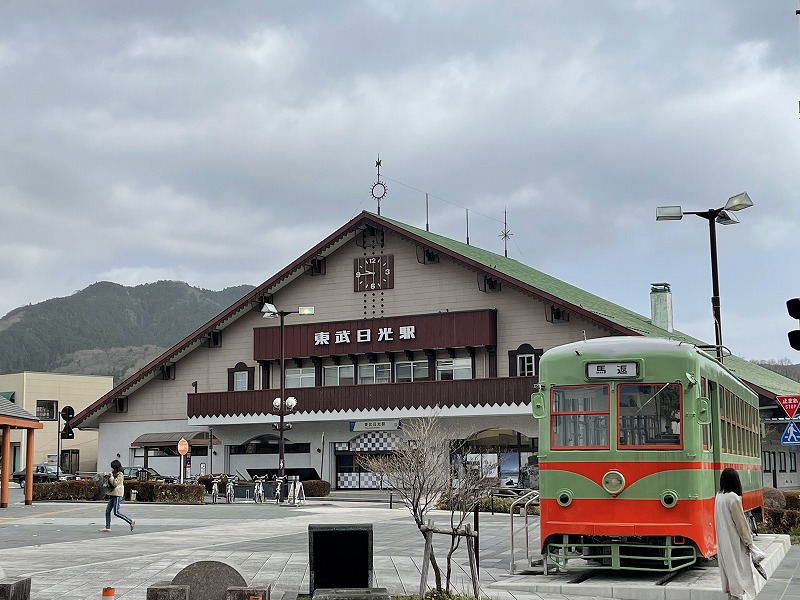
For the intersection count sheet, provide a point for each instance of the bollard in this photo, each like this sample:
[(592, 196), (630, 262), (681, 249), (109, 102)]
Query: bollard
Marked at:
[(390, 499), (108, 592)]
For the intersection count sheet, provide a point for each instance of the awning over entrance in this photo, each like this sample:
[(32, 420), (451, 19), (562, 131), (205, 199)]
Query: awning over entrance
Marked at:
[(171, 438), (7, 396)]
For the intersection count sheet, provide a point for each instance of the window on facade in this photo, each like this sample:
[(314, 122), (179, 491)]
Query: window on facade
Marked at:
[(453, 368), (792, 462), (302, 377), (374, 373), (267, 444), (526, 365), (338, 375), (580, 417), (240, 381), (649, 415), (412, 371), (46, 410), (766, 461), (782, 462)]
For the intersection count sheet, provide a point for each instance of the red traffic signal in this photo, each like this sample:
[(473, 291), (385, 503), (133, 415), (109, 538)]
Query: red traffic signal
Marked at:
[(793, 306)]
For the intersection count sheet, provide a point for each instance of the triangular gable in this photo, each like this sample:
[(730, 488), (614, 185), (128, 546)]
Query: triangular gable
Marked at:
[(616, 319)]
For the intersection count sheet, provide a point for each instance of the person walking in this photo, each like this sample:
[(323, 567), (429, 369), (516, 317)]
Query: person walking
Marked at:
[(115, 495), (733, 538)]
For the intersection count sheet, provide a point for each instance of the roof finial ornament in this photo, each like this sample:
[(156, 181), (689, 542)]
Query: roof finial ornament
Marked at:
[(506, 234), (379, 188)]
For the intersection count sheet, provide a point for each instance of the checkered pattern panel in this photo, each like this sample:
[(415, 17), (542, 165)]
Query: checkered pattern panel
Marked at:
[(341, 446), (375, 441), (347, 481), (370, 481)]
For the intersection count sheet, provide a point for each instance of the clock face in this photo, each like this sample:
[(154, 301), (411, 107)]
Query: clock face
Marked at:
[(373, 273)]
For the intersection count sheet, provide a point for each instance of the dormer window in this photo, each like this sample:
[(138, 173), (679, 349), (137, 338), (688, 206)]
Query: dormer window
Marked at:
[(241, 378)]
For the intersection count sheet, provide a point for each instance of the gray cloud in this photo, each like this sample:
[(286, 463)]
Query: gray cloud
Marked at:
[(215, 143)]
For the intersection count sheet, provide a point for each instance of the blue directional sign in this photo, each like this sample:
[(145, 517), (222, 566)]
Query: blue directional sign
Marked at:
[(791, 437)]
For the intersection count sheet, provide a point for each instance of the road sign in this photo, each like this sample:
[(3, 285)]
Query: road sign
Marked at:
[(789, 404), (183, 446), (791, 437)]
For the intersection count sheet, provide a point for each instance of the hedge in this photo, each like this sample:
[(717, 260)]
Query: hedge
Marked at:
[(501, 504), (146, 491), (316, 488)]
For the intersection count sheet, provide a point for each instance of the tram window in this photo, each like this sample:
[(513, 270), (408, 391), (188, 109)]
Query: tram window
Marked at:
[(580, 417), (649, 415), (782, 462), (792, 462)]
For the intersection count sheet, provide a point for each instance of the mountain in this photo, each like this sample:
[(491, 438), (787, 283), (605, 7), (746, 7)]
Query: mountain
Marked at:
[(107, 328)]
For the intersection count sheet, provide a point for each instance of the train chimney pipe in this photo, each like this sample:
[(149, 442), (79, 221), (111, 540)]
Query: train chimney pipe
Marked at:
[(661, 305)]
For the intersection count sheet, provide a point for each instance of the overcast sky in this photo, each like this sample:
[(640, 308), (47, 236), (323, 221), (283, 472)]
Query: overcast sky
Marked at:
[(215, 142)]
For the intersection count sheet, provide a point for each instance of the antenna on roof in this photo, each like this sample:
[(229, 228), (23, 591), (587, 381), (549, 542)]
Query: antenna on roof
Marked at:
[(505, 235), (379, 188), (466, 210)]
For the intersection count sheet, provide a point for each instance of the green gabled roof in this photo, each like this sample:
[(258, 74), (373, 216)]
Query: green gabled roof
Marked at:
[(608, 311)]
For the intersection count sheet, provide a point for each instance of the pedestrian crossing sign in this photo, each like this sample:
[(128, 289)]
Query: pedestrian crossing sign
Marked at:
[(791, 437)]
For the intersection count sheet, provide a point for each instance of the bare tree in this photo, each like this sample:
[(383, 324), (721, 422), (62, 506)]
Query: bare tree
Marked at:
[(419, 469)]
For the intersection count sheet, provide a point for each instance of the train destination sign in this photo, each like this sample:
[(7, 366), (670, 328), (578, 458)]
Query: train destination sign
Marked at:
[(612, 370), (789, 404)]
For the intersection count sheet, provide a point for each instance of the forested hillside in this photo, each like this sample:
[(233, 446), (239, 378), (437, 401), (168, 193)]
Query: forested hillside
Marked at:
[(107, 328)]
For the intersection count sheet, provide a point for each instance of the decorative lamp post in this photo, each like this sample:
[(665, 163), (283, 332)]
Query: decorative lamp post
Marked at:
[(723, 216), (282, 405)]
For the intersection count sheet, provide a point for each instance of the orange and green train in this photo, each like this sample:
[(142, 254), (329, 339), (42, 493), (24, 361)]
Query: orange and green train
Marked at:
[(633, 435)]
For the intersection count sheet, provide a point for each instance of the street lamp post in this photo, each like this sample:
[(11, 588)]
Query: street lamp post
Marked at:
[(723, 216), (283, 405)]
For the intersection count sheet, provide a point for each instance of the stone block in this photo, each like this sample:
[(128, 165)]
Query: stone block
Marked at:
[(168, 592), (247, 593), (339, 556), (15, 589), (351, 594), (209, 579)]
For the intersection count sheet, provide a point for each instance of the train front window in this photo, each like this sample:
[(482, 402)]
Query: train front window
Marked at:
[(580, 417), (649, 415)]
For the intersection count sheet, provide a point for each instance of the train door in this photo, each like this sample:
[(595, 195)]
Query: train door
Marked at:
[(712, 393)]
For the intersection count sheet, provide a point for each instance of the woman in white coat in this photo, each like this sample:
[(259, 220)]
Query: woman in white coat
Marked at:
[(733, 538)]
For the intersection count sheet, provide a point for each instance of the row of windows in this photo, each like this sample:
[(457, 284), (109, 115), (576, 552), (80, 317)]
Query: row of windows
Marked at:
[(768, 462), (740, 424), (649, 416), (522, 364)]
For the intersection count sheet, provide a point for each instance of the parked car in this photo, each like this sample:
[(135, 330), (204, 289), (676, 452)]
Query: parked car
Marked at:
[(152, 474), (41, 474)]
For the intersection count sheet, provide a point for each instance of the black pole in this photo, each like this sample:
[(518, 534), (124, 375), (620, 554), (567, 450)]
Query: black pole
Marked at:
[(477, 543), (283, 401), (210, 450), (715, 307)]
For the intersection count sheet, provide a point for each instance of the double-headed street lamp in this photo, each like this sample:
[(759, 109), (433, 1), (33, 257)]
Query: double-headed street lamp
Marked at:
[(282, 405), (723, 216)]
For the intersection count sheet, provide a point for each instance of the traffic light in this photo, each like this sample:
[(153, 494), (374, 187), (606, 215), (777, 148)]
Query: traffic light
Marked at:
[(793, 306)]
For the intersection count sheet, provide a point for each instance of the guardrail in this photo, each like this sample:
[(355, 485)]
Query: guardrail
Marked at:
[(524, 500)]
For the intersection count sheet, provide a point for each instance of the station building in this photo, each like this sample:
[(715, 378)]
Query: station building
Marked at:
[(404, 322)]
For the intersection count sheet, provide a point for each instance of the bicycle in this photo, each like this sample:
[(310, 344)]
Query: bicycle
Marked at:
[(215, 488), (278, 489), (258, 491), (229, 495)]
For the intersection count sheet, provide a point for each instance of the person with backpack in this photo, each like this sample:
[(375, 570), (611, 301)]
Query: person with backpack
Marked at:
[(115, 491)]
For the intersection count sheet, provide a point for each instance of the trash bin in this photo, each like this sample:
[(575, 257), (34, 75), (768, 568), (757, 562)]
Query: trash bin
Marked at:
[(339, 556), (133, 495)]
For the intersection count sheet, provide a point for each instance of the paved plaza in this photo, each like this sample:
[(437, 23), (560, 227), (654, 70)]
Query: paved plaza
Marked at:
[(60, 547)]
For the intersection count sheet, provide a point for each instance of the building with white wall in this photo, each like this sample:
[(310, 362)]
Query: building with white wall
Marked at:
[(405, 321)]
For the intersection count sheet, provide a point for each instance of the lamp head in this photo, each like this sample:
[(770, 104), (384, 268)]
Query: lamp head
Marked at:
[(276, 403), (269, 311), (738, 202), (291, 402), (305, 310), (726, 218), (669, 213)]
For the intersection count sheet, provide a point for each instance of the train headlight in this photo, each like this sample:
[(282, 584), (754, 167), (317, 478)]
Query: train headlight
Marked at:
[(564, 497), (613, 482), (669, 498)]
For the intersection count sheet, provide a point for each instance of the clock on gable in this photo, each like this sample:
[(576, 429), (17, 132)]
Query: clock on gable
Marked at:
[(373, 273)]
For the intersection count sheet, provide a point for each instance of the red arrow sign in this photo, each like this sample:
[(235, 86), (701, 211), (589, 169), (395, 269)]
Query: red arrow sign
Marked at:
[(789, 404)]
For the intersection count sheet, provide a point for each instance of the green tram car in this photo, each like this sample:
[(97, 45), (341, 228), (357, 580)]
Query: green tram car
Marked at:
[(634, 433)]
